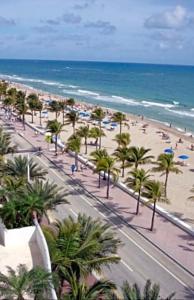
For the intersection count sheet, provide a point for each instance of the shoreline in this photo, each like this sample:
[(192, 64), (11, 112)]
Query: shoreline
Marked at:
[(178, 132)]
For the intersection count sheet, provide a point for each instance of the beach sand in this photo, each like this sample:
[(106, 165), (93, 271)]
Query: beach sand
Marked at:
[(179, 186)]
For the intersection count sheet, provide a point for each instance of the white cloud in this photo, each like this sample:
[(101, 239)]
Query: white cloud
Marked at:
[(174, 19)]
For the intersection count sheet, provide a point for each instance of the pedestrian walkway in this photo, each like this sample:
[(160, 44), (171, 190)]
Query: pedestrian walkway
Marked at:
[(171, 239)]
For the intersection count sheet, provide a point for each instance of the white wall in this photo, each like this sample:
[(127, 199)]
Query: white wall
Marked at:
[(19, 235)]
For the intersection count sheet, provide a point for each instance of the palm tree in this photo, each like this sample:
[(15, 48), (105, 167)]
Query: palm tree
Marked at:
[(8, 102), (32, 100), (151, 292), (55, 128), (84, 132), (55, 106), (74, 144), (18, 168), (96, 156), (122, 139), (39, 107), (5, 143), (138, 156), (107, 164), (119, 117), (122, 155), (21, 105), (3, 88), (63, 107), (81, 246), (20, 284), (79, 290), (70, 102), (98, 114), (166, 165), (137, 180), (155, 192), (96, 133), (72, 118)]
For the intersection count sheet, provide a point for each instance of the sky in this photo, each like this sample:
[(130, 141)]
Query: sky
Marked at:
[(150, 31)]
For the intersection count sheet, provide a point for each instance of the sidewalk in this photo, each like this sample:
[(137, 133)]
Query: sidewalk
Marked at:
[(174, 241)]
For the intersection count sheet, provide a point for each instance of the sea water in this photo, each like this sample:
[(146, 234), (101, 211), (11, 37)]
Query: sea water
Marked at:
[(161, 92)]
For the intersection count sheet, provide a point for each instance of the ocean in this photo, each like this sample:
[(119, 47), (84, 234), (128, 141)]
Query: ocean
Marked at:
[(161, 92)]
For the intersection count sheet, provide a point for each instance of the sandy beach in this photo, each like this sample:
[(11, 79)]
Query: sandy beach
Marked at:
[(153, 137)]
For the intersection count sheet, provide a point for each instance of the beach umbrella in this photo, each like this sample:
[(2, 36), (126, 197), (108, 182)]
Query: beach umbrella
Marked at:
[(168, 151), (114, 124), (183, 157)]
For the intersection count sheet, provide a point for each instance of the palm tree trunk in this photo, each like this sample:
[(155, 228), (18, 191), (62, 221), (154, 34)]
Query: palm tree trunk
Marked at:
[(120, 127), (23, 121), (100, 139), (96, 142), (99, 180), (73, 128), (32, 117), (123, 169), (40, 118), (76, 161), (165, 184), (56, 137), (108, 185), (63, 117), (86, 145), (56, 115), (138, 202), (153, 215)]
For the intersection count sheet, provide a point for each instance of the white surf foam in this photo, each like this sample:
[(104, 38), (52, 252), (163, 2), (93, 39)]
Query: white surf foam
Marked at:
[(182, 113), (157, 104), (90, 93)]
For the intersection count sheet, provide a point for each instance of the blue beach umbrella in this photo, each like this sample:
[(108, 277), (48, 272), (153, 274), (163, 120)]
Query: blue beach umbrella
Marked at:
[(168, 151), (183, 157)]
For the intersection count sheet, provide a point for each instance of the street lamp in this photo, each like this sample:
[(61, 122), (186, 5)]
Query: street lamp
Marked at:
[(28, 163)]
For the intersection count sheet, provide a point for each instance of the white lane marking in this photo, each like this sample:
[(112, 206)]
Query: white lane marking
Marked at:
[(73, 212), (89, 203), (135, 243), (155, 260), (126, 265)]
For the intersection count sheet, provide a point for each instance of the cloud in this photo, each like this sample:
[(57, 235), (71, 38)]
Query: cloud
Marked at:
[(168, 39), (68, 18), (174, 19), (104, 27), (7, 22), (71, 18), (44, 29), (81, 6)]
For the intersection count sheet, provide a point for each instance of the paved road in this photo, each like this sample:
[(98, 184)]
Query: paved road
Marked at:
[(140, 259)]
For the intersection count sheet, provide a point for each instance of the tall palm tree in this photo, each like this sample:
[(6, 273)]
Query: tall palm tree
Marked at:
[(84, 132), (39, 108), (21, 105), (155, 192), (20, 284), (55, 106), (63, 107), (8, 103), (138, 156), (55, 128), (97, 134), (79, 289), (151, 292), (96, 156), (72, 118), (3, 88), (107, 164), (70, 102), (122, 154), (32, 100), (98, 114), (166, 165), (5, 143), (137, 180), (122, 139), (74, 144), (119, 117), (81, 246), (18, 168)]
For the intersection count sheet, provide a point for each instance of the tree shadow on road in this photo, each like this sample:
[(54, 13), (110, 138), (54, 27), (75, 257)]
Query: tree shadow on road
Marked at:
[(189, 293)]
